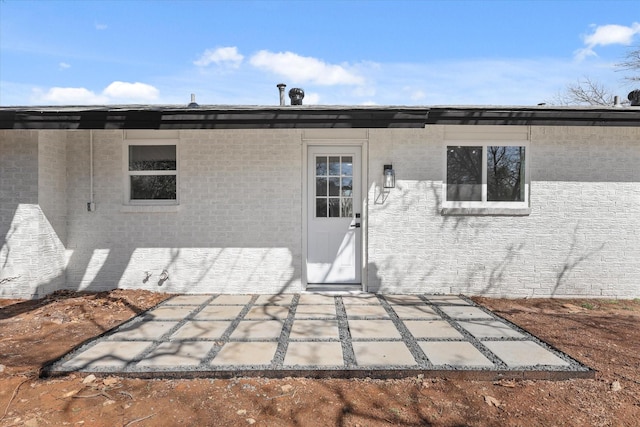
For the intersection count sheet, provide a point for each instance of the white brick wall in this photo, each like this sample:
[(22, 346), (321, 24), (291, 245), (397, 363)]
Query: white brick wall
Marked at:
[(52, 199), (238, 226), (32, 212), (581, 238)]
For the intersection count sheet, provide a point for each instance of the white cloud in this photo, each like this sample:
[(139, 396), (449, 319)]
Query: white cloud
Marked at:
[(604, 35), (131, 91), (477, 82), (64, 65), (507, 81), (221, 56), (70, 96), (364, 91), (311, 98), (101, 27), (414, 94), (116, 92), (304, 69)]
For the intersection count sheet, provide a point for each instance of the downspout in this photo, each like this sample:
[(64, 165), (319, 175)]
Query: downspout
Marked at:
[(91, 206)]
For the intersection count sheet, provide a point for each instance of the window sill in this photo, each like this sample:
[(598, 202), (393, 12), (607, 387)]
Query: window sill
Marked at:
[(487, 211), (149, 208)]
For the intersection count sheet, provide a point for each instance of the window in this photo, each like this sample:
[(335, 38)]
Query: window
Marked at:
[(486, 176), (151, 172), (334, 185)]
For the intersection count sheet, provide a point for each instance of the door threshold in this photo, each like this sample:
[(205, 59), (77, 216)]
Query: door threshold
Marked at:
[(340, 288)]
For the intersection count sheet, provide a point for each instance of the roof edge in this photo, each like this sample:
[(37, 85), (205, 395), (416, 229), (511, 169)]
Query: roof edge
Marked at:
[(272, 117)]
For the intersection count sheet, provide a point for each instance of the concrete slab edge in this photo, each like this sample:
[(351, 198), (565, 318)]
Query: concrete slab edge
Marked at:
[(382, 374)]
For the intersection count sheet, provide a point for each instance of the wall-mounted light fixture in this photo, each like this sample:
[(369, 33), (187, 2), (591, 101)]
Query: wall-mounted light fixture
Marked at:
[(388, 182), (389, 177)]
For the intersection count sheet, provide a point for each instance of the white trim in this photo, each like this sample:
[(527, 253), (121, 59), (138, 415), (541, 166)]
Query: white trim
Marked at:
[(91, 172), (364, 220), (336, 134), (484, 206), (149, 208), (305, 209), (487, 133), (126, 201)]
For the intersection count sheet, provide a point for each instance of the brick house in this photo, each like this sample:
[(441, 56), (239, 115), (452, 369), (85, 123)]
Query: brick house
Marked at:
[(509, 201)]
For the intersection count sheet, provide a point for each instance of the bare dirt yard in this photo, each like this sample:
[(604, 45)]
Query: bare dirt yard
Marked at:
[(604, 335)]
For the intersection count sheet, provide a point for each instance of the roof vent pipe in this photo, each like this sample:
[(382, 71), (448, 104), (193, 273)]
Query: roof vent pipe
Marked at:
[(634, 97), (616, 101), (193, 103), (281, 87), (296, 94)]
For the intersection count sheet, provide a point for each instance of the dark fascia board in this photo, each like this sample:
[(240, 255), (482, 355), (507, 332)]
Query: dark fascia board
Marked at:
[(536, 116), (306, 117), (210, 118)]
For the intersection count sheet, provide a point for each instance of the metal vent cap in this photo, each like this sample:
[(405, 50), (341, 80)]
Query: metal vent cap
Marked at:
[(296, 94)]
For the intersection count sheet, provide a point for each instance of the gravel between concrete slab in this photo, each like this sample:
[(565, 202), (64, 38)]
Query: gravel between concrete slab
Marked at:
[(379, 336)]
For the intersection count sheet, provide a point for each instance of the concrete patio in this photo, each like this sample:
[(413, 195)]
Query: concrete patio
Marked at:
[(320, 335)]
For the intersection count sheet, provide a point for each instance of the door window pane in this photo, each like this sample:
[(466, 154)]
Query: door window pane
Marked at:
[(505, 174), (334, 165), (334, 186), (464, 173), (334, 207), (347, 208), (321, 207), (347, 187), (321, 166), (321, 186), (347, 166)]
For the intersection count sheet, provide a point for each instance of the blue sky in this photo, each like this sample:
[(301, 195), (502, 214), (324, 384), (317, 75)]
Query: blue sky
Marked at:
[(340, 52)]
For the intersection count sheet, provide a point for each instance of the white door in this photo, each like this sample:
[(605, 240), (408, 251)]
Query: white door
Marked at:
[(334, 214)]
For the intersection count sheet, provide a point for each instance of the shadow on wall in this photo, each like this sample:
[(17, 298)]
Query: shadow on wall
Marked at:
[(205, 269), (499, 273), (30, 252), (524, 259), (181, 270), (8, 232), (31, 262), (105, 269), (573, 259)]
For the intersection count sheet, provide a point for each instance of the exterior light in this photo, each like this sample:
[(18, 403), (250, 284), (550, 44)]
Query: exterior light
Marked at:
[(389, 177)]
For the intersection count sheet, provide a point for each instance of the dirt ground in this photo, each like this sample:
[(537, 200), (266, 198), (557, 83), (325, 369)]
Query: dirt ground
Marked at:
[(604, 335)]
